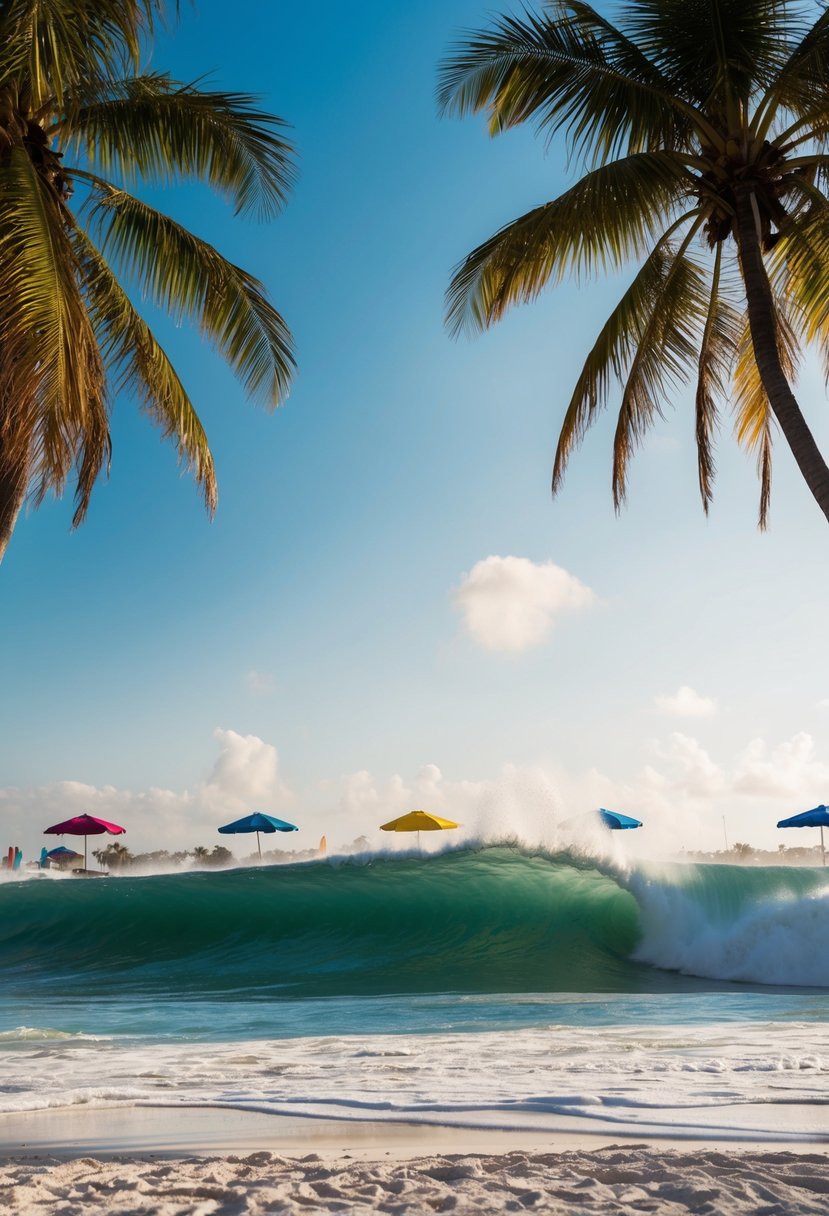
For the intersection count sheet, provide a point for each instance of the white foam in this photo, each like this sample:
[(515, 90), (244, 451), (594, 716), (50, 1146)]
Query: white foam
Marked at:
[(739, 1079), (780, 940)]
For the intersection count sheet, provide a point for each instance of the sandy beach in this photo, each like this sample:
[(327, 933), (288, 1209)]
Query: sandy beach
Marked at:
[(201, 1162)]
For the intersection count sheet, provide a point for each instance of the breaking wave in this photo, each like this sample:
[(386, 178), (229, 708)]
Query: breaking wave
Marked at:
[(498, 918)]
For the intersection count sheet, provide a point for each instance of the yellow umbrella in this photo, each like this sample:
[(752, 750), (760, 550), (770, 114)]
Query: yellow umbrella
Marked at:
[(418, 821)]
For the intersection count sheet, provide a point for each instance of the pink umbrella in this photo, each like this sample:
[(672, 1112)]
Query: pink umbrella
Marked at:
[(84, 825)]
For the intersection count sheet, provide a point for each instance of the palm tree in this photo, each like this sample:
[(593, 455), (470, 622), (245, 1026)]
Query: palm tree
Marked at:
[(703, 127), (113, 855), (80, 123)]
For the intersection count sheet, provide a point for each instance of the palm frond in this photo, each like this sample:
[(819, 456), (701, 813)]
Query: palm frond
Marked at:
[(801, 258), (189, 278), (612, 353), (718, 350), (608, 217), (598, 31), (754, 419), (56, 45), (715, 51), (666, 346), (568, 72), (751, 405), (754, 423), (161, 130), (764, 472), (799, 87), (59, 362), (130, 350)]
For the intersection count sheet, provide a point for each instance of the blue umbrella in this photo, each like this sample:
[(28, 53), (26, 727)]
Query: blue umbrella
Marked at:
[(617, 822), (818, 817), (257, 822), (59, 855)]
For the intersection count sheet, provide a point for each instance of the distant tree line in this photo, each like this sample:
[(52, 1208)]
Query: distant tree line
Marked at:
[(118, 857), (742, 852)]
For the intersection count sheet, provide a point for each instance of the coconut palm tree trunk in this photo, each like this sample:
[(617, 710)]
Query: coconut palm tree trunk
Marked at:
[(763, 328)]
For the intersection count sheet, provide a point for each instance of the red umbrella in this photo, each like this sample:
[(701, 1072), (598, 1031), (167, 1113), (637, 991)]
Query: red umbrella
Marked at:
[(84, 825)]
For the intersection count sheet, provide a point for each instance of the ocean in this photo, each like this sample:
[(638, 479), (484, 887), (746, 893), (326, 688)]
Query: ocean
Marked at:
[(492, 985)]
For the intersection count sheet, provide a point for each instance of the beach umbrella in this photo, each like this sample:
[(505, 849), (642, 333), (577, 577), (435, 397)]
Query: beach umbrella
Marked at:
[(418, 821), (818, 817), (84, 825), (257, 822), (60, 854), (617, 822)]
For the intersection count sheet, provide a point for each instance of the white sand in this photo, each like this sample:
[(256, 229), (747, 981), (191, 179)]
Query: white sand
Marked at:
[(169, 1163), (611, 1180)]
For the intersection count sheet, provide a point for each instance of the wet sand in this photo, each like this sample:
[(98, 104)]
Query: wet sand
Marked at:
[(105, 1132)]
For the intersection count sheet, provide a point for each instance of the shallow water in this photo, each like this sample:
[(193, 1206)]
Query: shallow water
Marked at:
[(496, 987)]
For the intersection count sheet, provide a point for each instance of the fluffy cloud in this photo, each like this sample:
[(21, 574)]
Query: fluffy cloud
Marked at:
[(244, 776), (246, 771), (791, 770), (688, 770), (686, 703), (511, 603)]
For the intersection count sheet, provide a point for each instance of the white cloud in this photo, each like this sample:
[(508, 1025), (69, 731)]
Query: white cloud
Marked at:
[(519, 802), (245, 776), (511, 603), (358, 793), (790, 770), (246, 771), (682, 792), (689, 770), (686, 703), (259, 683)]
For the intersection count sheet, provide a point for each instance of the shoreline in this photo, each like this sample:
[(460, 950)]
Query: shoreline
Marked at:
[(143, 1132)]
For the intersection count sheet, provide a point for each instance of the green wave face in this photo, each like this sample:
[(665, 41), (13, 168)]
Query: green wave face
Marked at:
[(497, 919), (477, 921)]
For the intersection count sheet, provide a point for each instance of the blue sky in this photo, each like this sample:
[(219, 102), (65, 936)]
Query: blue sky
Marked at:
[(317, 617)]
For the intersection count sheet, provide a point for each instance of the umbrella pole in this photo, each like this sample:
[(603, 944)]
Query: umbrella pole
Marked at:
[(84, 851), (258, 845), (822, 846)]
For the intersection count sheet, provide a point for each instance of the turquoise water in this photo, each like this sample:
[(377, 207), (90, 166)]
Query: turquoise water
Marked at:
[(476, 938), (490, 986)]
